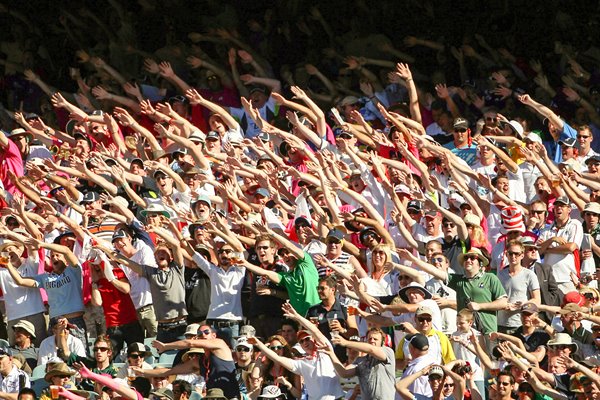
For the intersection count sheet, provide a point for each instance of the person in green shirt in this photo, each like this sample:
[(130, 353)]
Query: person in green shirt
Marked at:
[(477, 290), (301, 281)]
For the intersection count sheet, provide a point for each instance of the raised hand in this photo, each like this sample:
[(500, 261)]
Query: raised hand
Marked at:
[(123, 116), (147, 108), (245, 56), (311, 69), (194, 62), (100, 93), (30, 75), (132, 89), (571, 94), (442, 91), (247, 79), (525, 99), (58, 100), (151, 66), (165, 70), (410, 41)]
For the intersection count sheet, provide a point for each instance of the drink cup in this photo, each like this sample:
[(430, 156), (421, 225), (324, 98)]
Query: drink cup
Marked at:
[(54, 391), (4, 257)]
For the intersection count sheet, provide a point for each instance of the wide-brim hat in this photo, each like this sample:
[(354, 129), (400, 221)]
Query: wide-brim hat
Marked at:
[(7, 244), (591, 207), (215, 393), (563, 339), (155, 208), (403, 293), (26, 326), (474, 252), (58, 369), (196, 350)]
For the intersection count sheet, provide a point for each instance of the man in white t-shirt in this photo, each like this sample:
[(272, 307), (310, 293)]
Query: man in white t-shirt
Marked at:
[(558, 244)]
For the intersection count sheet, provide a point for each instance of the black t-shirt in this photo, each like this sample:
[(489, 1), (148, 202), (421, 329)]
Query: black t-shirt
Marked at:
[(197, 294), (265, 305), (338, 311)]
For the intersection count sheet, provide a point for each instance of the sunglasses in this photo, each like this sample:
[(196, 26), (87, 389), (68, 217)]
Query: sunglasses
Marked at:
[(504, 383), (275, 348), (449, 225), (101, 349), (470, 257), (226, 251), (306, 339), (204, 332), (134, 356), (447, 385), (438, 259), (242, 349), (538, 211), (333, 241), (424, 319), (62, 376), (583, 136), (514, 253), (491, 119), (460, 130)]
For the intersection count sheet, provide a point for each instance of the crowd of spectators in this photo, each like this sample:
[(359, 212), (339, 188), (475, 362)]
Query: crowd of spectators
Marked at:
[(266, 201)]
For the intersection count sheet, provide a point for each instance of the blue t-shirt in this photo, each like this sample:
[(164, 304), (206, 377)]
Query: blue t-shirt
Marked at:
[(467, 154), (64, 291), (553, 148)]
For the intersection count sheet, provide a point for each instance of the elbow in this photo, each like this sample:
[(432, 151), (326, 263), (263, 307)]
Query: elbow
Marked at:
[(572, 247)]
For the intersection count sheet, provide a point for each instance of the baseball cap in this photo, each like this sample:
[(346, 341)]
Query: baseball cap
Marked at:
[(569, 142), (460, 123), (418, 341), (529, 308), (436, 371), (424, 310), (90, 197), (415, 205), (562, 199), (120, 234), (573, 297), (336, 234)]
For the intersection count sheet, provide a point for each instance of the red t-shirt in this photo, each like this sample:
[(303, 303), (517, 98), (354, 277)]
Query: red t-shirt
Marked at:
[(118, 307)]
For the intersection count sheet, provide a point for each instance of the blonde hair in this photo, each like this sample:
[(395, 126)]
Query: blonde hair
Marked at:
[(466, 314)]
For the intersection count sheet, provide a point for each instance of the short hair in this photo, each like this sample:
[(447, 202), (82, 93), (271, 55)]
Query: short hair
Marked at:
[(539, 202), (378, 330), (104, 339), (27, 391), (291, 323), (142, 385), (466, 314), (506, 373), (440, 254), (184, 386), (516, 242), (434, 241), (265, 238), (329, 281)]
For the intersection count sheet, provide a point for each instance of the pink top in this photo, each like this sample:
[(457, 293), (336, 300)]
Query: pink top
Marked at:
[(10, 160)]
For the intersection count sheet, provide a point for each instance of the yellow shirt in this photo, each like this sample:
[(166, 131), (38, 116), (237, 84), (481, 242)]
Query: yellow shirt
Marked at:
[(438, 342)]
